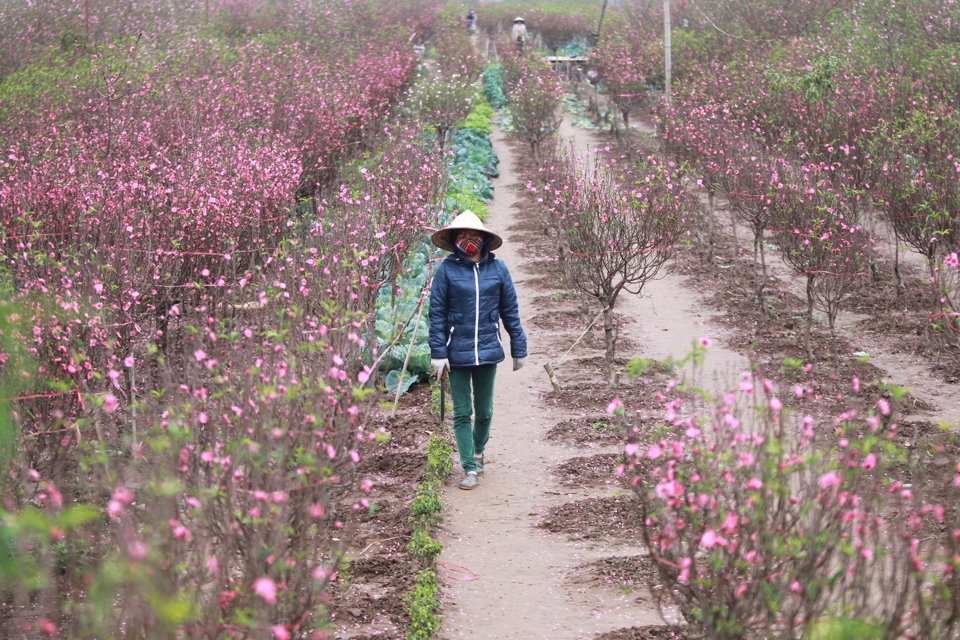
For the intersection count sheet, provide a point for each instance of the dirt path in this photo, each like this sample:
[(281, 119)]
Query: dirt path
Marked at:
[(526, 585)]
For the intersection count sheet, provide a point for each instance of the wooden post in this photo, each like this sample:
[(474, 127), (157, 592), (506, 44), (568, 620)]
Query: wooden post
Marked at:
[(553, 379)]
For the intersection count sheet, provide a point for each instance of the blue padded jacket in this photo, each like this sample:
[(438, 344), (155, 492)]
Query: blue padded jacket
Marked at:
[(467, 302)]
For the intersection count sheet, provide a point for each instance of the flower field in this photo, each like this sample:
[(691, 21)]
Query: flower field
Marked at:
[(214, 272)]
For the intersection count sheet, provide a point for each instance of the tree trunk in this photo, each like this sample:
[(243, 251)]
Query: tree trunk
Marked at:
[(763, 274), (896, 267), (832, 317), (610, 344), (757, 275), (806, 336), (711, 240), (736, 240)]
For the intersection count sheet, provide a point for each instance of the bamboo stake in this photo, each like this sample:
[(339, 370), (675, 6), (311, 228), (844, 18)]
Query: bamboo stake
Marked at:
[(551, 370), (406, 360)]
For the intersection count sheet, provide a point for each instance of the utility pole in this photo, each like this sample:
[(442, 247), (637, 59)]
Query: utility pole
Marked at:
[(666, 50), (600, 25)]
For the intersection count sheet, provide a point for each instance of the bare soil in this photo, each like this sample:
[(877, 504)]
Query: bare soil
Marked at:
[(613, 518), (589, 431), (366, 599), (660, 632), (631, 572)]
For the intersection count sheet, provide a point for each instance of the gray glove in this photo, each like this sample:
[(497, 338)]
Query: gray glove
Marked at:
[(518, 363), (439, 366)]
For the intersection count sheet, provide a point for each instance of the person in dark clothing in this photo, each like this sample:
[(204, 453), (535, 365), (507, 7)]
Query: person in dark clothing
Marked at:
[(471, 294)]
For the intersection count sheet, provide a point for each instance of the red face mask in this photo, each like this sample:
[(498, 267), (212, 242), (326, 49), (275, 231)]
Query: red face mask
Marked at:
[(470, 246)]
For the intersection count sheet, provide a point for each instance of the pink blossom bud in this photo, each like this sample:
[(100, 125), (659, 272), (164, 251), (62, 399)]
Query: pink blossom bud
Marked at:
[(137, 549), (266, 589), (110, 403), (123, 495), (829, 479), (708, 539), (46, 627)]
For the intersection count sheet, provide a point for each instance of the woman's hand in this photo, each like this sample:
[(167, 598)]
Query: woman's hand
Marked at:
[(518, 363), (439, 366)]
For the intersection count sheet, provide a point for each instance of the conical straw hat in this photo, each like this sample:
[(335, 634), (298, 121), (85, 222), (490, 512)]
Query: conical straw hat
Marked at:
[(445, 238)]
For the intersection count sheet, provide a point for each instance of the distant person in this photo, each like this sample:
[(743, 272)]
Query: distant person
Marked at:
[(519, 33), (471, 21), (471, 294)]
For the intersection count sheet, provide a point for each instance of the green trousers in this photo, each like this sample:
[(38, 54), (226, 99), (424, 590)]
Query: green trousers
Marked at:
[(472, 437)]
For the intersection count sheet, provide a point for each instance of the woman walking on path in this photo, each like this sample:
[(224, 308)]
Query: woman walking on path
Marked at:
[(471, 293)]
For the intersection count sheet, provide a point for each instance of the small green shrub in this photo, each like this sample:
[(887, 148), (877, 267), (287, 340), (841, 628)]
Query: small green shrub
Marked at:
[(423, 607), (424, 547), (439, 463), (426, 508)]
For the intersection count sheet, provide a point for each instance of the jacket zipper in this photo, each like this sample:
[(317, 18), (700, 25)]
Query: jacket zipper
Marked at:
[(450, 337), (476, 324)]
